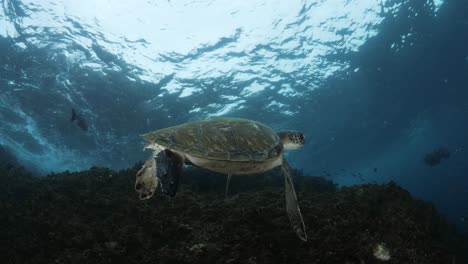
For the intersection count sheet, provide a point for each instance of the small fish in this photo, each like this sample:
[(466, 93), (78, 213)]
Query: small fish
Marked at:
[(464, 220), (436, 156), (375, 170), (80, 122)]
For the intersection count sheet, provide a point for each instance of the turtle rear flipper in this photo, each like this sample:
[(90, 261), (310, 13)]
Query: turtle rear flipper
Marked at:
[(146, 180), (292, 207)]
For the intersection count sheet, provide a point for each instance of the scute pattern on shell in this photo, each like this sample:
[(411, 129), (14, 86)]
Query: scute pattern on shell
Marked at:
[(231, 139)]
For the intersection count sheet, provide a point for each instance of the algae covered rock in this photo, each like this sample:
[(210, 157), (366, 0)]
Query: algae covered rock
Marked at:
[(95, 216)]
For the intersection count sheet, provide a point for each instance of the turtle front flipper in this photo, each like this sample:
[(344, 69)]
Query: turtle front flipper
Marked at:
[(169, 169), (292, 207), (146, 180)]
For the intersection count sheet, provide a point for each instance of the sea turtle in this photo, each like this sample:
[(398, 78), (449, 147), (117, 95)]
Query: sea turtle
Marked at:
[(233, 146)]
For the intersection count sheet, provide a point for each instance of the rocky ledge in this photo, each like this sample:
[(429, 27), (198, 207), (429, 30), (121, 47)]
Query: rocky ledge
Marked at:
[(94, 216)]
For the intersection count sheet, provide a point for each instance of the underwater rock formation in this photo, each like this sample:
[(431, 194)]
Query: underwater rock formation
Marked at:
[(95, 216)]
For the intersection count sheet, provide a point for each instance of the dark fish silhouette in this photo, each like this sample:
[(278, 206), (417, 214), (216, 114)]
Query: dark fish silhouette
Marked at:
[(80, 122), (464, 220), (436, 156)]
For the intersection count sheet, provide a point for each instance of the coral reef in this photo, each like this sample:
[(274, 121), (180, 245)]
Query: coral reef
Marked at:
[(95, 216)]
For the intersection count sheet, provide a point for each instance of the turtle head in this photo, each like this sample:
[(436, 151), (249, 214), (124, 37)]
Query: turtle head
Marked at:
[(291, 139)]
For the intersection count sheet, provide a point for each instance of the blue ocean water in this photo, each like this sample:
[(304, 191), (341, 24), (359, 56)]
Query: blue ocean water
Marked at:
[(374, 85)]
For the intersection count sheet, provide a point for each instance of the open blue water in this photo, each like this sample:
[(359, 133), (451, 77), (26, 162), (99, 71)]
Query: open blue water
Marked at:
[(374, 85)]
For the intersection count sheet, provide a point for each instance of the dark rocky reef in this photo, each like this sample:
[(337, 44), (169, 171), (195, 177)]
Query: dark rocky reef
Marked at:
[(7, 160), (94, 216)]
